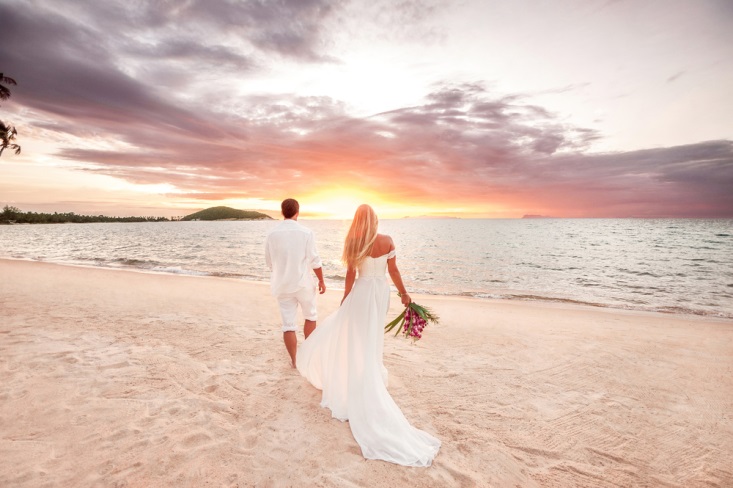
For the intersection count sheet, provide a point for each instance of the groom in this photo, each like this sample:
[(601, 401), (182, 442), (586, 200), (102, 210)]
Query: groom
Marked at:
[(290, 253)]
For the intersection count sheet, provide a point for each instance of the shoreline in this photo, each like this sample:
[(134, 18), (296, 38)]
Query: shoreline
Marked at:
[(152, 380), (333, 284)]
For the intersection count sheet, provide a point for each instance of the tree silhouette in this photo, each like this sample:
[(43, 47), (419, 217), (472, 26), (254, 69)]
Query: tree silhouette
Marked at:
[(4, 90), (7, 131)]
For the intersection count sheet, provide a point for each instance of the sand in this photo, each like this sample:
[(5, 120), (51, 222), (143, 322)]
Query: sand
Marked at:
[(119, 378)]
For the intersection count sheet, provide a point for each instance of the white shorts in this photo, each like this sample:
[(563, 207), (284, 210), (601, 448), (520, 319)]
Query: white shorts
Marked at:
[(306, 297)]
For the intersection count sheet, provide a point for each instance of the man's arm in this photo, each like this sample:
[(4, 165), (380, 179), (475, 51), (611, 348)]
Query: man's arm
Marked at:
[(315, 262), (268, 258), (321, 283)]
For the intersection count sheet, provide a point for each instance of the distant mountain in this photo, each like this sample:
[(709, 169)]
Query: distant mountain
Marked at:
[(226, 213), (530, 216)]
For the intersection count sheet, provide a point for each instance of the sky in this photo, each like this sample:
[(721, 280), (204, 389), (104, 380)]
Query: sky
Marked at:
[(467, 108)]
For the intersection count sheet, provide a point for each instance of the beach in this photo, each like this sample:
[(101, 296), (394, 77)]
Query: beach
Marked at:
[(124, 378)]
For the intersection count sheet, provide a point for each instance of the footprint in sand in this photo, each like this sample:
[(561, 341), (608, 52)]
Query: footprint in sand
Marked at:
[(249, 441), (196, 440)]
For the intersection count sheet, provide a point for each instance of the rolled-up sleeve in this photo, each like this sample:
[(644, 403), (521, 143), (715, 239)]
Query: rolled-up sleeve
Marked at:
[(313, 257)]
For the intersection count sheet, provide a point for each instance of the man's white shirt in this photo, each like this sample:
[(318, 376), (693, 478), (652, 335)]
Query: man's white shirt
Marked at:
[(290, 253)]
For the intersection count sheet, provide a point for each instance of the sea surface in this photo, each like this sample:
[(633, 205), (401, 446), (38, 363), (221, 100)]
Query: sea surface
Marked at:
[(680, 266)]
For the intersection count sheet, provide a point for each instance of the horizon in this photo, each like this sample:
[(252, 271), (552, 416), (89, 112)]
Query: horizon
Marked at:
[(430, 109), (276, 215)]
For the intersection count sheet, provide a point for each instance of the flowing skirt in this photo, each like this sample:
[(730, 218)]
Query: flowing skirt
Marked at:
[(343, 358)]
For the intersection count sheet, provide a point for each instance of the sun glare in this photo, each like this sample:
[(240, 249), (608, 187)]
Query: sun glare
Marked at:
[(340, 203), (334, 203)]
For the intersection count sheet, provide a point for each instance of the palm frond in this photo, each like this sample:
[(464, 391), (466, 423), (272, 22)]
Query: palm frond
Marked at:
[(4, 90), (7, 80)]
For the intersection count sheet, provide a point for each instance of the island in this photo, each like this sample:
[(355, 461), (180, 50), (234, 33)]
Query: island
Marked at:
[(226, 213)]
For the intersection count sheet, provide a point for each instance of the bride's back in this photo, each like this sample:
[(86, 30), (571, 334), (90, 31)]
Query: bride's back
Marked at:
[(382, 245), (376, 264)]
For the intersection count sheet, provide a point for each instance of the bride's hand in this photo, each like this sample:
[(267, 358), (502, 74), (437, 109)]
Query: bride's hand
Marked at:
[(406, 300)]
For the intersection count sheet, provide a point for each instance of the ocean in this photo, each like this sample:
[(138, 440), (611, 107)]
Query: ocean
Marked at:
[(681, 266)]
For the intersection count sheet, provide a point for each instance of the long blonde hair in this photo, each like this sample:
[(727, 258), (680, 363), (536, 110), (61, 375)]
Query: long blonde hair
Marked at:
[(361, 236)]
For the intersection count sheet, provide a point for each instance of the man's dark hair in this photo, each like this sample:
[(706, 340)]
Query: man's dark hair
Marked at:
[(290, 207)]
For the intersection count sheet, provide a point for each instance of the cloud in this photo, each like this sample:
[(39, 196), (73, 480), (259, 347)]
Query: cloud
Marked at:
[(398, 21), (460, 146), (150, 89), (119, 55)]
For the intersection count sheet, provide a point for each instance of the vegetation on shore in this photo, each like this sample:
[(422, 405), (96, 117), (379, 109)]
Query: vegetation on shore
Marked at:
[(13, 215), (226, 213)]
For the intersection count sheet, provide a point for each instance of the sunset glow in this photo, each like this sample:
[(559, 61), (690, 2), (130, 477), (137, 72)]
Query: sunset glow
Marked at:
[(338, 203), (447, 109)]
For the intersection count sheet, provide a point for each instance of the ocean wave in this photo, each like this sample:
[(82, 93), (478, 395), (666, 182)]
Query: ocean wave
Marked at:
[(631, 305), (485, 259), (628, 303), (177, 270), (223, 274), (692, 311), (640, 273), (543, 298), (134, 263)]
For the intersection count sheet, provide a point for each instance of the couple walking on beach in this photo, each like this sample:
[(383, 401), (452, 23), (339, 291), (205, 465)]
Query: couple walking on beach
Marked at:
[(343, 356)]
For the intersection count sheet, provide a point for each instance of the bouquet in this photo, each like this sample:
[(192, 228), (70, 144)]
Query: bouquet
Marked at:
[(412, 321)]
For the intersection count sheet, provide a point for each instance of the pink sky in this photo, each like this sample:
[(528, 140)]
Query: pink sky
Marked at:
[(474, 109)]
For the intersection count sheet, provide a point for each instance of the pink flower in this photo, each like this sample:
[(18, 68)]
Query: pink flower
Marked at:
[(412, 321)]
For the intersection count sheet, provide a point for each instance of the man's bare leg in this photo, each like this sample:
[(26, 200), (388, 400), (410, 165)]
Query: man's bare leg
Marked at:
[(310, 326), (291, 344)]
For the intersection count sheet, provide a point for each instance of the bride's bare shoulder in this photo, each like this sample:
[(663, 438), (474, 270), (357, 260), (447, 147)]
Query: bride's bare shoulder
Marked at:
[(382, 245), (384, 242)]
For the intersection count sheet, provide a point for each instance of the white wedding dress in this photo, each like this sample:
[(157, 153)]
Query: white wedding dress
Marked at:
[(343, 358)]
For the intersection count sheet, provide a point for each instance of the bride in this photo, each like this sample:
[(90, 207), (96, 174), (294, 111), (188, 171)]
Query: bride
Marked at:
[(343, 356)]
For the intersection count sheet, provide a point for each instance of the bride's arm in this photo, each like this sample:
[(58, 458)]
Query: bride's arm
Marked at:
[(394, 273), (350, 277)]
